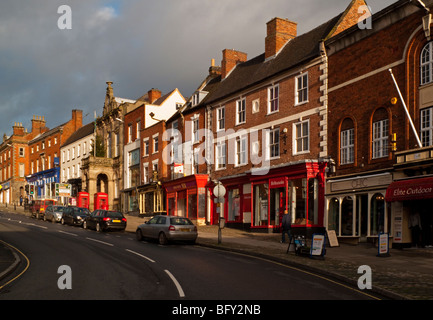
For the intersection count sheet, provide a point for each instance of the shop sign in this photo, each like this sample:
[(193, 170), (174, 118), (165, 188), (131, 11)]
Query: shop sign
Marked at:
[(383, 248), (277, 183), (317, 244)]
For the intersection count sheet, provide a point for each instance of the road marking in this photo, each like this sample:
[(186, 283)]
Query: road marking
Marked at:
[(22, 272), (71, 234), (140, 255), (103, 242), (176, 283)]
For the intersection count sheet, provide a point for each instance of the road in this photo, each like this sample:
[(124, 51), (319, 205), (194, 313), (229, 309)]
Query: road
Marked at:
[(115, 266)]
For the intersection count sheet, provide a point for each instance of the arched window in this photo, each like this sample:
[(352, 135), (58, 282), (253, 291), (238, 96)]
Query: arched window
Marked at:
[(426, 64), (377, 214)]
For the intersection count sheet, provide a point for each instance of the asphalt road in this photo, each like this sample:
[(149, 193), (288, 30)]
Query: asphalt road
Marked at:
[(115, 266)]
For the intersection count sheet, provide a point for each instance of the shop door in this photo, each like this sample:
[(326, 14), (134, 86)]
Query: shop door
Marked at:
[(362, 216), (277, 205)]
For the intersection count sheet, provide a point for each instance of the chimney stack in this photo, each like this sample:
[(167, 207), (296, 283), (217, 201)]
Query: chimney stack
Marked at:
[(153, 95), (231, 58), (279, 31), (38, 123), (214, 70)]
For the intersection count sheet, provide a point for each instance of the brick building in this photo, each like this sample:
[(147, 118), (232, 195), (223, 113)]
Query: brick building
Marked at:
[(382, 174), (14, 160), (269, 115), (44, 153)]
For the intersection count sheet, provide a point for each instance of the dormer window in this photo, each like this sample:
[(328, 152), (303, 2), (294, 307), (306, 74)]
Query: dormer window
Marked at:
[(198, 97)]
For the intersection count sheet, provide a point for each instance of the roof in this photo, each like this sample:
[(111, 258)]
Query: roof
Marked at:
[(80, 133), (296, 52)]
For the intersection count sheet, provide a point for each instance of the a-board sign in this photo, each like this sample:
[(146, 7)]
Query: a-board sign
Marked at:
[(332, 236), (383, 245), (317, 244)]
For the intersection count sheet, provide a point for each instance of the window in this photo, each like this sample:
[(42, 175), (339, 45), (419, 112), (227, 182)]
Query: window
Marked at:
[(129, 133), (301, 89), (273, 94), (220, 113), (347, 147), (195, 129), (241, 111), (427, 127), (274, 143), (21, 170), (241, 151), (426, 64), (145, 173), (380, 139), (302, 137), (155, 144), (138, 128), (146, 147), (108, 145), (195, 166), (221, 155), (116, 145), (21, 152)]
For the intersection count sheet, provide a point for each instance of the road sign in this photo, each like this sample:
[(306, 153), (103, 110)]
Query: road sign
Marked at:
[(219, 190), (63, 190)]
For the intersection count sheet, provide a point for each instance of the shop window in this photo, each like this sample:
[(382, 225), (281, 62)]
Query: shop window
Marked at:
[(347, 216), (148, 202), (333, 215), (260, 204), (297, 201), (234, 205), (377, 214)]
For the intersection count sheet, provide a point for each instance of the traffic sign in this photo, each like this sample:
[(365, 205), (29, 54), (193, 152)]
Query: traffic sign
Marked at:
[(219, 190)]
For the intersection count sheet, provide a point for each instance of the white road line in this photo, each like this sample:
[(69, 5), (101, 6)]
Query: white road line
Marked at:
[(176, 283), (71, 234), (140, 255), (103, 242)]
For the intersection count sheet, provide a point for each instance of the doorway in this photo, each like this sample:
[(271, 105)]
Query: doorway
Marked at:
[(362, 216)]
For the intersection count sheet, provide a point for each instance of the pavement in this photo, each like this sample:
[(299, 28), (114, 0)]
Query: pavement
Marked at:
[(406, 274)]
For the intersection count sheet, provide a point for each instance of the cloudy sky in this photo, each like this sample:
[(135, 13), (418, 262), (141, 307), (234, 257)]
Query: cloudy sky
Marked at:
[(137, 44)]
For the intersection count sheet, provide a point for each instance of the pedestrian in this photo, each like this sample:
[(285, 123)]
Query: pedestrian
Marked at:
[(286, 225)]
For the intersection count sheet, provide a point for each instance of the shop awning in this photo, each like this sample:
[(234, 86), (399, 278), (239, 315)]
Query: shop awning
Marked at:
[(413, 189)]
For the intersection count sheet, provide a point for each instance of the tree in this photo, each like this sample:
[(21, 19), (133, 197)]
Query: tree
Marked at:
[(100, 150)]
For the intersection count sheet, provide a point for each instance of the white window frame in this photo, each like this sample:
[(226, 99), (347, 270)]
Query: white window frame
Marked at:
[(427, 127), (145, 173), (273, 145), (426, 64), (155, 143), (220, 116), (380, 135), (273, 99), (297, 139), (241, 111), (146, 146), (195, 128), (220, 155), (241, 151), (347, 146), (301, 89)]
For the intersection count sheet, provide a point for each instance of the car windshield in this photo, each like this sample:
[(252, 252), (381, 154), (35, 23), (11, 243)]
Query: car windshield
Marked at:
[(114, 214), (180, 221), (80, 211)]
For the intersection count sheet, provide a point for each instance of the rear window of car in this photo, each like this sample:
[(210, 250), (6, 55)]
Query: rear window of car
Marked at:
[(114, 214), (58, 209), (180, 221)]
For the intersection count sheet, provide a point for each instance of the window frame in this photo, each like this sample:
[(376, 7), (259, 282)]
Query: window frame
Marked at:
[(303, 136), (273, 99)]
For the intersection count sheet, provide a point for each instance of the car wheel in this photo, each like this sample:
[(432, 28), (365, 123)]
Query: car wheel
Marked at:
[(98, 227), (62, 221), (162, 239), (85, 224), (138, 235)]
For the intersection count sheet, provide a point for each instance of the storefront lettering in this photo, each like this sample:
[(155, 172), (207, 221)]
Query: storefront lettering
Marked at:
[(412, 191)]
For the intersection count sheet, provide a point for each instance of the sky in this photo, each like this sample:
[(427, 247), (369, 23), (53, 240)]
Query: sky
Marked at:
[(137, 44)]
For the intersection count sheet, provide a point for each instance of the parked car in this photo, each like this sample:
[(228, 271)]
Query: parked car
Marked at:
[(38, 207), (74, 215), (168, 228), (102, 220), (54, 213)]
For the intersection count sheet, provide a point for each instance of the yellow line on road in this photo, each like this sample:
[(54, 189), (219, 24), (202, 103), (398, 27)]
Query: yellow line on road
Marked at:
[(22, 272)]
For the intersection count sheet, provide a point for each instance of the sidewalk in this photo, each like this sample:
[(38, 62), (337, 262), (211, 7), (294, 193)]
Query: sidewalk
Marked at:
[(406, 274)]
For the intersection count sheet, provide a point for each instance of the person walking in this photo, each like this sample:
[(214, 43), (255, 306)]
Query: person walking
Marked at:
[(286, 225)]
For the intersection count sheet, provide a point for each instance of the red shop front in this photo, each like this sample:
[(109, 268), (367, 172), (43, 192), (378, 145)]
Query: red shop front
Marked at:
[(259, 201), (186, 197)]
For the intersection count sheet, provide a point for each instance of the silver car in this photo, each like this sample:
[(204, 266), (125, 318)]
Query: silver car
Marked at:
[(54, 213), (168, 228)]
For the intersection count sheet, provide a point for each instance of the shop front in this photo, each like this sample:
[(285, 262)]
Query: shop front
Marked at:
[(259, 202), (412, 202), (43, 183), (356, 207), (186, 197)]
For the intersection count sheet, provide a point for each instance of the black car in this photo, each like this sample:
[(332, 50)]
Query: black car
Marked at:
[(102, 220), (74, 215)]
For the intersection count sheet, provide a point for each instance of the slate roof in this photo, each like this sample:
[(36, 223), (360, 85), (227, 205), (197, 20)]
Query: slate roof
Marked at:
[(80, 133), (296, 52)]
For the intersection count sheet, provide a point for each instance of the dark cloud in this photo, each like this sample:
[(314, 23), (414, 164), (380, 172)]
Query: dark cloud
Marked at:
[(136, 44)]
